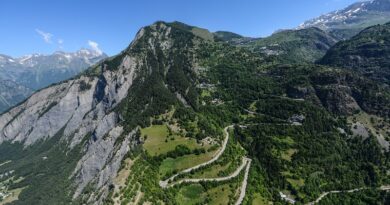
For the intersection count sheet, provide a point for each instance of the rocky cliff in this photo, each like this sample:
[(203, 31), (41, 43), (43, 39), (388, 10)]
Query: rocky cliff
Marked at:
[(84, 111)]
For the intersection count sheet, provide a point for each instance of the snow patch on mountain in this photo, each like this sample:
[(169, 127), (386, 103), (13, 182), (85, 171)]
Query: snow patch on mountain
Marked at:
[(363, 14)]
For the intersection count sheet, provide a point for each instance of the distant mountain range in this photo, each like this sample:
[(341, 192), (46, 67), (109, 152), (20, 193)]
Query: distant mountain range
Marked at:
[(127, 129), (12, 93), (348, 22), (185, 116), (32, 72), (310, 41)]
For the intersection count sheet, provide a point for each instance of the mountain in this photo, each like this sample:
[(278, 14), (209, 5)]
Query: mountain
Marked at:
[(19, 77), (348, 22), (180, 117), (226, 35), (367, 53), (12, 93), (37, 71), (305, 45)]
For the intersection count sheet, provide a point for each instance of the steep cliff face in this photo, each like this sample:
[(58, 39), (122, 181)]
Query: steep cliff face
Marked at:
[(66, 143), (100, 109)]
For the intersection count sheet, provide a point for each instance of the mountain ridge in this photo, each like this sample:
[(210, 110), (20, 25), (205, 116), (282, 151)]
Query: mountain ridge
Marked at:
[(367, 53), (36, 71), (67, 143), (348, 22)]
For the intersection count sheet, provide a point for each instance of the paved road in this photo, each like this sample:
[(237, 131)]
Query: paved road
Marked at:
[(244, 184), (245, 162), (382, 188), (164, 184)]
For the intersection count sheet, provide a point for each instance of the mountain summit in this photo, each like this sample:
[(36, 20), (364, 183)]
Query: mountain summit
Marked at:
[(182, 117), (348, 22)]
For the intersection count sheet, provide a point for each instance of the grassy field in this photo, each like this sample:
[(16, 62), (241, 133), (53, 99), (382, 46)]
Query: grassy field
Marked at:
[(229, 161), (287, 155), (285, 140), (184, 162), (210, 172), (158, 142), (191, 194), (205, 93), (196, 194), (220, 195), (259, 200), (296, 183)]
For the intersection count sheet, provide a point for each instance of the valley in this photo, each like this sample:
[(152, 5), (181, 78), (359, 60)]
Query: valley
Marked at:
[(186, 116)]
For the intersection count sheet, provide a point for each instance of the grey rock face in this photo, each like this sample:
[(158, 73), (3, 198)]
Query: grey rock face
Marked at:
[(66, 106), (33, 72), (82, 110)]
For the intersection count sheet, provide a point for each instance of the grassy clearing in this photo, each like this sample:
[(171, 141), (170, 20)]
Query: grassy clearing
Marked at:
[(170, 165), (252, 106), (191, 194), (159, 142), (229, 161), (205, 93), (296, 183), (220, 195), (211, 172), (285, 140), (258, 199), (203, 33), (287, 155)]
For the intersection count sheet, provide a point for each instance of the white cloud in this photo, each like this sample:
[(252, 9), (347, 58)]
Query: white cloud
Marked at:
[(45, 36), (95, 46)]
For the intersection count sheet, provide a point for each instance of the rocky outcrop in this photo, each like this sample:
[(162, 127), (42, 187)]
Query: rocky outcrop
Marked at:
[(102, 161), (83, 110), (80, 114), (337, 99), (344, 92)]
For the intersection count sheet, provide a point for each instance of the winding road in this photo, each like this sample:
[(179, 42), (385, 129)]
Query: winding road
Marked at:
[(246, 162), (244, 184), (382, 188), (164, 184)]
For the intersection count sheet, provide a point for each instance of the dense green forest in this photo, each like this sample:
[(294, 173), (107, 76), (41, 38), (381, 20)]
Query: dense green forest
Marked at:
[(292, 119)]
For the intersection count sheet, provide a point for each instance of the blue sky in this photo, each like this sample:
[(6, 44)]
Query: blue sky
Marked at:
[(44, 26)]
